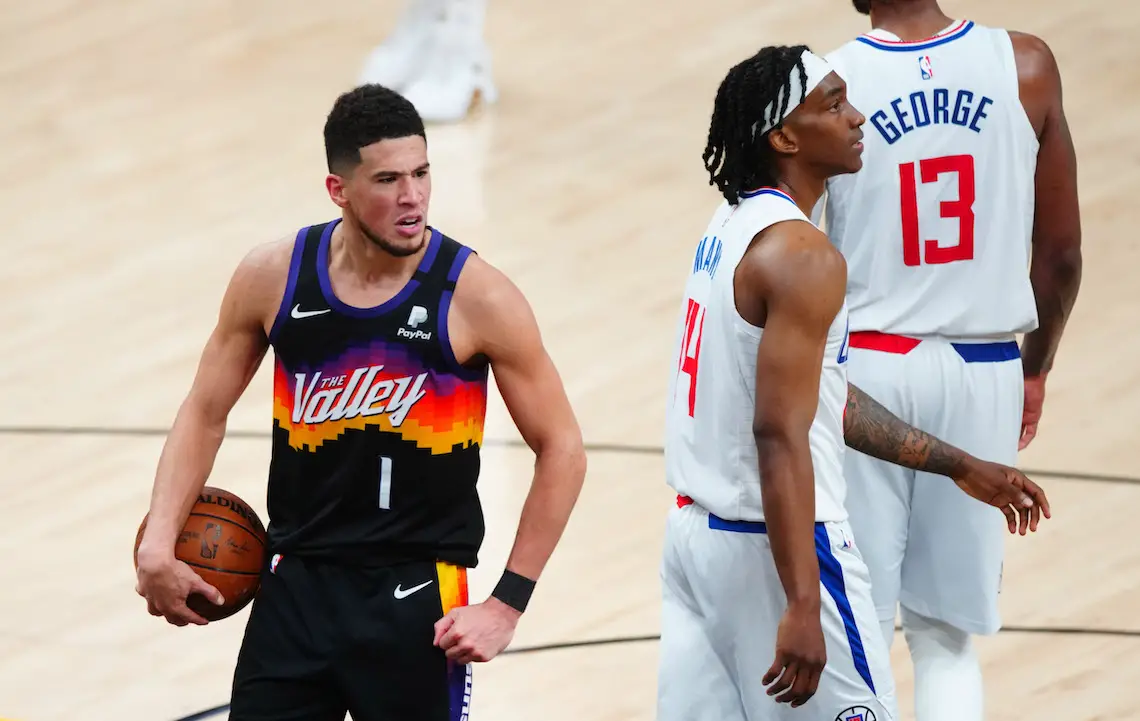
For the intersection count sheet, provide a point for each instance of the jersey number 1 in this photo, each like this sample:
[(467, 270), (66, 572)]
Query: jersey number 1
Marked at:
[(691, 349), (962, 209), (385, 483)]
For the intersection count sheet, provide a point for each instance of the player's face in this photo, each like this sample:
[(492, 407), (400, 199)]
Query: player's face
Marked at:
[(827, 130), (387, 194)]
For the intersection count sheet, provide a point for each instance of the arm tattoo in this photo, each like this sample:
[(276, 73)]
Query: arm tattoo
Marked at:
[(870, 428)]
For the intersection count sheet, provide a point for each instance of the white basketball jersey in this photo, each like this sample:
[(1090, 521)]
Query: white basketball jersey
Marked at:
[(710, 453), (936, 227)]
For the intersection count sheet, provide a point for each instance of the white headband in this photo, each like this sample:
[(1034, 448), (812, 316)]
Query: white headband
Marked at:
[(817, 69)]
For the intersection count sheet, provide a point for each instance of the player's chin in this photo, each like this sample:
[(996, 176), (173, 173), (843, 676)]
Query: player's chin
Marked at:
[(403, 247), (854, 159), (400, 244)]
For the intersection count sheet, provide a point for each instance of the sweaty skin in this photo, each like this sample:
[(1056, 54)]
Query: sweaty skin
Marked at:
[(870, 428), (489, 320), (1055, 268), (791, 282)]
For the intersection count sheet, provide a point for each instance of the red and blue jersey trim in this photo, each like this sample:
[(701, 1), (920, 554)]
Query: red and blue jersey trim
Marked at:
[(907, 46), (768, 191)]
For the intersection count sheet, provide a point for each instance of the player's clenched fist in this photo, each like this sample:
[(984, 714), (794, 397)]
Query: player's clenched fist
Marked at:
[(478, 632)]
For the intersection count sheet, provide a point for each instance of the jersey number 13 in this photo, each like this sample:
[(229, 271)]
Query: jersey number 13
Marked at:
[(928, 171)]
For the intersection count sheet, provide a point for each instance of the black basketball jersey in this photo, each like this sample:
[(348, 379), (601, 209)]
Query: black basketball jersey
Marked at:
[(376, 426)]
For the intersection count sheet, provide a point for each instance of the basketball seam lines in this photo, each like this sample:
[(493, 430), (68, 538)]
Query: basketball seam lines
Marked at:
[(222, 570)]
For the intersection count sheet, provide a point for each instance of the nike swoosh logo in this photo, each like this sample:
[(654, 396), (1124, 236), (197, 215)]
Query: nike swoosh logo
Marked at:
[(298, 313), (404, 593)]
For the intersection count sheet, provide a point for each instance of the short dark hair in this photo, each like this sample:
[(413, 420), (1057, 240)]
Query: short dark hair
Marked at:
[(363, 116), (863, 6), (736, 158)]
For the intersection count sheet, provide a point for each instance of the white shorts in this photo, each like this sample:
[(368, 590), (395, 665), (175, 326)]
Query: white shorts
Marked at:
[(927, 544), (722, 605)]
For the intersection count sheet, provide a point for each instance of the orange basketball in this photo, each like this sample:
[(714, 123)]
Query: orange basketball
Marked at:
[(223, 540)]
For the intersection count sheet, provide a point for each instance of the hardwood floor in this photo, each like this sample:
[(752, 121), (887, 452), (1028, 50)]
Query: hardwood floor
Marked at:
[(146, 146)]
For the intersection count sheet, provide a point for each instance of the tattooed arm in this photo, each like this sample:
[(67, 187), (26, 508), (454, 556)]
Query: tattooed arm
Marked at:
[(870, 428)]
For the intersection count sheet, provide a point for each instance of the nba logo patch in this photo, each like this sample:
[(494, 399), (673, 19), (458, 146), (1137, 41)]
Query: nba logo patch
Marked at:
[(273, 562), (925, 67)]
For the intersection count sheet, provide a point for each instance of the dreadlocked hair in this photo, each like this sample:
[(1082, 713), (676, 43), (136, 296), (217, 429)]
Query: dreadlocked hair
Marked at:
[(736, 158)]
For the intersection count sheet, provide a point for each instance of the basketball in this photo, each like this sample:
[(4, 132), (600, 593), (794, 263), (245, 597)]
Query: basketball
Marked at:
[(223, 540)]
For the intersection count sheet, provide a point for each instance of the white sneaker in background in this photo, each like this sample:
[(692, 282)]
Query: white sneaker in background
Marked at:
[(454, 70), (396, 61)]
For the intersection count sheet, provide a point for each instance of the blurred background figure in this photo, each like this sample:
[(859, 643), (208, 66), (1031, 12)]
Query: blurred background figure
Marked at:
[(437, 58)]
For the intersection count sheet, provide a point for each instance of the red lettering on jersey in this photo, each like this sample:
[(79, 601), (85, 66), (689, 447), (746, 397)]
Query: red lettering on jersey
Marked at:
[(694, 325), (962, 209)]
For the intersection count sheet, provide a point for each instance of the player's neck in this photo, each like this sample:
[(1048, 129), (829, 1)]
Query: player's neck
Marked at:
[(910, 21), (351, 250), (804, 188)]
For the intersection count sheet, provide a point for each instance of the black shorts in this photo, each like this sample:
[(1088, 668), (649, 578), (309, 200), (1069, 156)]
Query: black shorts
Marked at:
[(323, 640)]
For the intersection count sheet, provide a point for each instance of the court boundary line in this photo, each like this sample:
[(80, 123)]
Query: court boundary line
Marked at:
[(603, 447), (622, 640), (618, 448)]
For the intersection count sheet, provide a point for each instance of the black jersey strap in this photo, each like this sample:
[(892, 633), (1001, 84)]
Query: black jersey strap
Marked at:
[(455, 267), (429, 268), (443, 271)]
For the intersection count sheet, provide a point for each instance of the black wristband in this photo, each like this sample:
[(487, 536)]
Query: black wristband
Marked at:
[(514, 590)]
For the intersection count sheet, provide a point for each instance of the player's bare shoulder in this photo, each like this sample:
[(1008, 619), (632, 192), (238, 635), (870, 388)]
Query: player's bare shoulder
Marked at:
[(257, 285), (1038, 76), (794, 250), (483, 290), (790, 258), (488, 312), (1034, 56)]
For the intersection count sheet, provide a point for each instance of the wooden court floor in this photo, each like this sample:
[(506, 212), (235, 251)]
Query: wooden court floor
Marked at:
[(145, 146)]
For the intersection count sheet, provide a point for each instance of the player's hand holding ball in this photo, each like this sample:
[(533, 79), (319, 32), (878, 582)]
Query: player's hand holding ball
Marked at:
[(166, 583), (478, 632), (211, 570), (801, 654), (1007, 489)]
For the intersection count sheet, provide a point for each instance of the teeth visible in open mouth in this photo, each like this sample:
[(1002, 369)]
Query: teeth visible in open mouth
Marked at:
[(413, 221)]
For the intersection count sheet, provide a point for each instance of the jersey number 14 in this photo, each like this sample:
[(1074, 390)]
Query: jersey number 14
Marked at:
[(963, 209), (691, 349)]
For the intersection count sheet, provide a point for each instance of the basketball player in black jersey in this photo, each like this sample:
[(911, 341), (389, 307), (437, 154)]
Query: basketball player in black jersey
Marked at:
[(383, 331)]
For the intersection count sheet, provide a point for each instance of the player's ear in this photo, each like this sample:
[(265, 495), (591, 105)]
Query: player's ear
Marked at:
[(783, 140), (335, 185)]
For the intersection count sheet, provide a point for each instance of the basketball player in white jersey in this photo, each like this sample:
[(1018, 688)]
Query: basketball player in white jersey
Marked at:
[(767, 609), (968, 169)]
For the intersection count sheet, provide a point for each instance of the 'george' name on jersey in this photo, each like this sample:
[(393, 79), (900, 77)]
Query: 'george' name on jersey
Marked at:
[(929, 108)]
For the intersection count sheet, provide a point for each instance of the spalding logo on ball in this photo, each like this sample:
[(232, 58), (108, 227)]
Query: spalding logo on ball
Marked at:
[(223, 540)]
